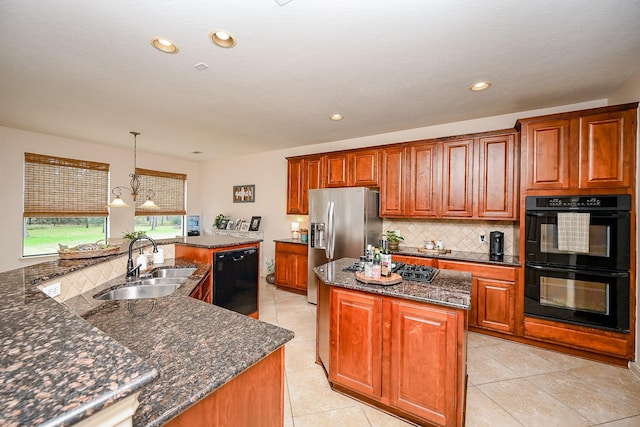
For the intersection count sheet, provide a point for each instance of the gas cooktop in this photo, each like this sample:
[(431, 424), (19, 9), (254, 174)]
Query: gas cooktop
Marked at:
[(415, 273)]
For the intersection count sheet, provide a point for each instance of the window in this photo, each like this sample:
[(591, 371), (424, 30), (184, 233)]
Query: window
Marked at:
[(65, 202), (170, 190)]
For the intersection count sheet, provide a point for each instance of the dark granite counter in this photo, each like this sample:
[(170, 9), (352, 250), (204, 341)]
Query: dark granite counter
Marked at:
[(449, 288), (57, 369), (294, 241), (509, 261), (62, 363), (213, 242)]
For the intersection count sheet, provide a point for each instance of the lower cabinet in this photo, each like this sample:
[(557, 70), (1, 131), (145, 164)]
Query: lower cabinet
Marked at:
[(493, 295), (204, 290), (291, 263), (406, 357)]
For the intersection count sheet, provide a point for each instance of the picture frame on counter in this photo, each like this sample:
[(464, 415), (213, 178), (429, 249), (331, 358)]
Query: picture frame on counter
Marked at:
[(230, 224), (244, 193), (238, 224), (255, 223), (244, 226), (223, 224)]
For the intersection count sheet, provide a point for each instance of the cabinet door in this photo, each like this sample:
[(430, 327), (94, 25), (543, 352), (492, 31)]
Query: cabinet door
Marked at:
[(356, 340), (496, 177), (424, 361), (547, 155), (423, 183), (298, 271), (607, 149), (363, 168), (392, 181), (496, 304), (337, 170), (457, 175), (281, 273), (295, 187)]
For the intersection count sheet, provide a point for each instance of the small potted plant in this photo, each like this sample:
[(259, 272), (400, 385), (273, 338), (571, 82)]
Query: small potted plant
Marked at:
[(219, 219), (393, 239)]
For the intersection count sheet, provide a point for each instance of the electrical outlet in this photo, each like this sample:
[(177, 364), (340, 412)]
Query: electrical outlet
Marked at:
[(483, 238), (52, 290)]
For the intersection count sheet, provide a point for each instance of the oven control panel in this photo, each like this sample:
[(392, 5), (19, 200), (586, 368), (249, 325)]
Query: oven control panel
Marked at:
[(617, 202)]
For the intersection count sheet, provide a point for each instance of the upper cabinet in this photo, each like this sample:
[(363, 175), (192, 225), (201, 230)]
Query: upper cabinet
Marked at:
[(304, 173), (423, 179), (497, 176), (582, 150), (358, 168), (392, 181), (457, 178)]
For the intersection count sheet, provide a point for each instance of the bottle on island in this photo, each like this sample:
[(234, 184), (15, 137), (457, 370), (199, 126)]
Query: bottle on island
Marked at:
[(377, 265), (368, 265), (386, 267)]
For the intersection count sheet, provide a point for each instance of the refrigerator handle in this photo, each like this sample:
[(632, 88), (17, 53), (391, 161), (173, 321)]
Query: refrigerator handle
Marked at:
[(330, 244)]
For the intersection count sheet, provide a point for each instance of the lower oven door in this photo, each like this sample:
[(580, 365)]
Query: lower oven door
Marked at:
[(597, 299)]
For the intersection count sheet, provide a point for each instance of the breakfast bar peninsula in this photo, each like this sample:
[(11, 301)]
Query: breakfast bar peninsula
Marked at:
[(401, 348)]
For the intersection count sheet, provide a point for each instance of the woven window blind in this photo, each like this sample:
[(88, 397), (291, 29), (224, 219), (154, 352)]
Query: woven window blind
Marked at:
[(59, 187), (169, 189)]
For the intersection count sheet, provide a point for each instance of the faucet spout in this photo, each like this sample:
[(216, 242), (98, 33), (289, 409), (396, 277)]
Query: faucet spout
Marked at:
[(134, 272)]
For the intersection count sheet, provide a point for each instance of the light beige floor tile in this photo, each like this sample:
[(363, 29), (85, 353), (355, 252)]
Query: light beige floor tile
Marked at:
[(300, 354), (484, 412), (590, 400), (531, 406), (483, 369), (479, 340), (616, 380), (519, 358), (304, 330), (560, 360), (293, 316), (626, 422), (287, 400), (288, 422), (310, 393), (378, 418), (348, 417)]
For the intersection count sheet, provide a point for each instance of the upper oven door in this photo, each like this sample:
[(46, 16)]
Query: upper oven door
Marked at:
[(608, 241)]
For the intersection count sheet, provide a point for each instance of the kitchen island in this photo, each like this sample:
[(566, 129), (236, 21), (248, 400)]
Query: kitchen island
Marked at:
[(62, 363), (401, 348)]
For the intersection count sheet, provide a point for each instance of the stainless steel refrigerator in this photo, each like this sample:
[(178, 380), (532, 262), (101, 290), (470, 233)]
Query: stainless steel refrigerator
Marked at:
[(342, 222)]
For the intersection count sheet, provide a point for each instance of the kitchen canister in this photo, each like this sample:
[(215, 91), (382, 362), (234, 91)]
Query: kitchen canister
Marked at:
[(158, 257)]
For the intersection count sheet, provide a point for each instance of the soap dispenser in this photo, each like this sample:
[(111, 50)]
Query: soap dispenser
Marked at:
[(142, 260)]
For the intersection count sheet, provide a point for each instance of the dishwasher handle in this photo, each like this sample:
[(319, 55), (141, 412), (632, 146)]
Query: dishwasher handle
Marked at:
[(238, 258)]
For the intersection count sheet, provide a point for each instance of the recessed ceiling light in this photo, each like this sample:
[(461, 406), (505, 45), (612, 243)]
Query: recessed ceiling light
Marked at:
[(196, 152), (222, 38), (336, 117), (164, 45), (480, 86)]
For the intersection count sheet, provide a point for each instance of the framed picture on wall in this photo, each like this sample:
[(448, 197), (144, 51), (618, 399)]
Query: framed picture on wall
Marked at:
[(244, 193), (255, 223)]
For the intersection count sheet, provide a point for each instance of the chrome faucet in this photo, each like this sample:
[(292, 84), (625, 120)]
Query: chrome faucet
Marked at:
[(134, 272)]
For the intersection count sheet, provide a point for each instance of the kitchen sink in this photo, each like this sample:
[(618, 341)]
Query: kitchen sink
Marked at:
[(173, 272), (154, 287)]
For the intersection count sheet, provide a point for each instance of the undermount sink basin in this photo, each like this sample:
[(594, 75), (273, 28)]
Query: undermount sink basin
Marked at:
[(174, 272), (155, 287)]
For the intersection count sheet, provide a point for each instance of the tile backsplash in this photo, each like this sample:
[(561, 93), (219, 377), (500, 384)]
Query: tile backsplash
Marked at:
[(457, 235)]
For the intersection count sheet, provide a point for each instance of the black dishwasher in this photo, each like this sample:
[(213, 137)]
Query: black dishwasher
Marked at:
[(235, 280)]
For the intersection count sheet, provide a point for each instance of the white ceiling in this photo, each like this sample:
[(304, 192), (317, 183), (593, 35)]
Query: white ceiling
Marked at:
[(86, 70)]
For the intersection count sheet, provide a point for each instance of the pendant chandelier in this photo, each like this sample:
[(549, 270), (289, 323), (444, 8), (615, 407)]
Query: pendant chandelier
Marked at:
[(135, 189)]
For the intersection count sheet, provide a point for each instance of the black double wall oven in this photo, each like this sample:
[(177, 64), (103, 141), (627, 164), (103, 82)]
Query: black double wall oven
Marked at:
[(578, 259)]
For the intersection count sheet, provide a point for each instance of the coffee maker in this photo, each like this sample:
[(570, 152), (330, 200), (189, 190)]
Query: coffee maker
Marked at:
[(496, 246)]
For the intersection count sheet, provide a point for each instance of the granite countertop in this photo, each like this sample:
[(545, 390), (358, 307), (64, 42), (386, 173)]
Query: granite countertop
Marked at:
[(449, 288), (214, 242), (56, 368), (290, 240), (510, 261), (62, 363)]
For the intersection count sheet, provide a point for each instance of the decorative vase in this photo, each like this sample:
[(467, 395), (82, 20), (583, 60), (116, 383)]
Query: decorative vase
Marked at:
[(271, 278), (394, 246)]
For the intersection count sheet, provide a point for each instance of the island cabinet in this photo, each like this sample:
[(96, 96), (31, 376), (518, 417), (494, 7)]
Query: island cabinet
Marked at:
[(291, 266), (582, 150), (304, 174), (357, 168), (403, 356), (204, 290)]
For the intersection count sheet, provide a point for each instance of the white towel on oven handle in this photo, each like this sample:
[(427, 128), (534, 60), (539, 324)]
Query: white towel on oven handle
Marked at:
[(573, 232)]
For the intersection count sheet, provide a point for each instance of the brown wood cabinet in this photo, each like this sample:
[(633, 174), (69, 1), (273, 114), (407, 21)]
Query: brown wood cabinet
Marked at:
[(497, 177), (253, 398), (204, 290), (406, 357), (358, 168), (457, 178), (581, 150), (392, 181), (303, 174), (424, 177), (291, 266)]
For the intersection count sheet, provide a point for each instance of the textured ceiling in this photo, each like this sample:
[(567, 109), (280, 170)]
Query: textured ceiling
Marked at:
[(86, 70)]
